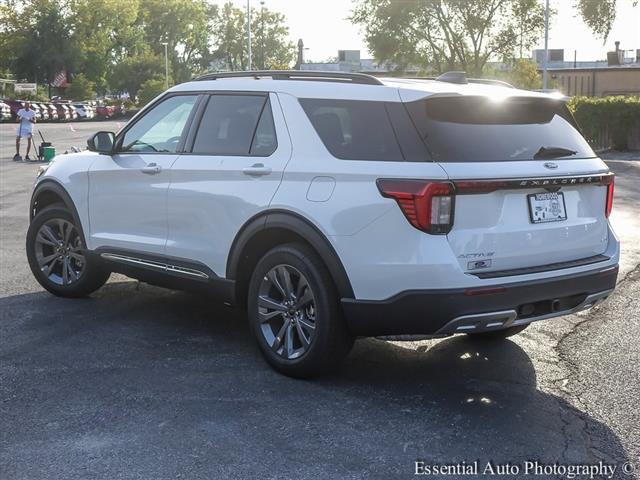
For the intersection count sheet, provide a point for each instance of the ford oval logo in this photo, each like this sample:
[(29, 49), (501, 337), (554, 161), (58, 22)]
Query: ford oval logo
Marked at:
[(550, 165)]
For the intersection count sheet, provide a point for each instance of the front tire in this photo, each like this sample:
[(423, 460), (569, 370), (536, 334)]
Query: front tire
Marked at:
[(294, 313), (57, 255)]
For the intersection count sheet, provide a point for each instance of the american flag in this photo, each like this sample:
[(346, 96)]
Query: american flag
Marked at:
[(60, 80)]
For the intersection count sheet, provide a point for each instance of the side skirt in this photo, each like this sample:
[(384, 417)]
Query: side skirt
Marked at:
[(167, 272)]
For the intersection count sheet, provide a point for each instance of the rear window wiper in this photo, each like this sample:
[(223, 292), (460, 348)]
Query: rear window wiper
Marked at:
[(553, 152)]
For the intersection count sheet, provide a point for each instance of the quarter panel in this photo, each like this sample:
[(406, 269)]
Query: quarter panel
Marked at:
[(355, 201)]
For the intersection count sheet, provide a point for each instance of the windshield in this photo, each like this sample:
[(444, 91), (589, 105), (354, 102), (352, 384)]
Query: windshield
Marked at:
[(480, 129)]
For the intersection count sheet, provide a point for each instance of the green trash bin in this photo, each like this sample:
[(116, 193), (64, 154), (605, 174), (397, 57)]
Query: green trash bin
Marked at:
[(48, 154)]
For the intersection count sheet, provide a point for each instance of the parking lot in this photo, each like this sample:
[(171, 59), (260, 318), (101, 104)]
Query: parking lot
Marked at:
[(141, 382)]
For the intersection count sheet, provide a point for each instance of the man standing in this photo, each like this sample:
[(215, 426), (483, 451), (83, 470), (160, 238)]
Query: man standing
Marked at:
[(27, 118)]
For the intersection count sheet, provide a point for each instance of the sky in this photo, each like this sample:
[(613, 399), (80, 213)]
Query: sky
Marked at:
[(323, 26)]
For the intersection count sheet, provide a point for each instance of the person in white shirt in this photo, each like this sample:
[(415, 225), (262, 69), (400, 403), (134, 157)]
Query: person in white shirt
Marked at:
[(27, 118)]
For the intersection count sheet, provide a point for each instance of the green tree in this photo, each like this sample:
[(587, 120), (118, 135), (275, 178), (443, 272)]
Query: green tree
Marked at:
[(35, 39), (599, 15), (81, 88), (185, 26), (273, 50), (150, 89), (99, 29), (448, 34), (229, 32), (129, 74), (118, 44), (523, 74), (271, 47)]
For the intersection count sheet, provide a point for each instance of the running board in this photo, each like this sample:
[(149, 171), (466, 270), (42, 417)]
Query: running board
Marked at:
[(484, 322), (158, 266)]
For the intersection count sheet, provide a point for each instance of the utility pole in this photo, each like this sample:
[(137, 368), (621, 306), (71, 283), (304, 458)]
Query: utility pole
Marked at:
[(546, 46), (249, 32), (262, 54), (166, 66)]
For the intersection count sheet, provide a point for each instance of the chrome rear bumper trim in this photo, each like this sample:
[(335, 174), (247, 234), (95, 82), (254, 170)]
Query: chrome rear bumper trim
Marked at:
[(483, 322)]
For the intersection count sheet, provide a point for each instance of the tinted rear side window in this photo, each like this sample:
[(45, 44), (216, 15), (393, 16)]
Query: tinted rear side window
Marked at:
[(264, 141), (363, 130), (478, 129), (236, 125)]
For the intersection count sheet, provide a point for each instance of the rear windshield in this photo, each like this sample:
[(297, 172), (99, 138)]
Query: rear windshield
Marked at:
[(478, 129)]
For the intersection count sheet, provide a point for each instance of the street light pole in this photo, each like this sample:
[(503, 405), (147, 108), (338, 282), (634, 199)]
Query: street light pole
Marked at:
[(546, 46), (262, 46), (249, 32), (166, 66)]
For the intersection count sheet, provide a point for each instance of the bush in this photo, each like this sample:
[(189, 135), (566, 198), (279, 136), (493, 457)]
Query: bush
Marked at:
[(616, 117), (42, 95), (129, 104), (81, 88), (525, 75), (150, 90)]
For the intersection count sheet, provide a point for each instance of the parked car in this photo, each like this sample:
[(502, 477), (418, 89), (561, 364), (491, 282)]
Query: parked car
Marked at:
[(84, 111), (63, 111), (44, 111), (53, 111), (5, 112), (396, 208), (36, 108), (119, 110), (73, 112), (14, 106), (105, 111)]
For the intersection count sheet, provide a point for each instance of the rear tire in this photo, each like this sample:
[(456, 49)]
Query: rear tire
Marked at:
[(498, 334), (57, 255), (294, 313)]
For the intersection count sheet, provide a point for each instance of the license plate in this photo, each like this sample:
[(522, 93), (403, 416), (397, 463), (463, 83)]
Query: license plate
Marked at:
[(547, 207)]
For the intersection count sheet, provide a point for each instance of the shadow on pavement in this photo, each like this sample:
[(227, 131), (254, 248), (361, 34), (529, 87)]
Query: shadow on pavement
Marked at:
[(139, 382)]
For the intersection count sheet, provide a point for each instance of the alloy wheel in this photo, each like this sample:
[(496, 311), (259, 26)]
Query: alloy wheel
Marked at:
[(287, 311), (59, 252)]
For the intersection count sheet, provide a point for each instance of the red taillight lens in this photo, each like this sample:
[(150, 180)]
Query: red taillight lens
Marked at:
[(610, 183), (427, 205), (481, 186)]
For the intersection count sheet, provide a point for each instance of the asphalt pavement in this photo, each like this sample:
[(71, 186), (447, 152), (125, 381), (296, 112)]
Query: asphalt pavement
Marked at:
[(142, 382)]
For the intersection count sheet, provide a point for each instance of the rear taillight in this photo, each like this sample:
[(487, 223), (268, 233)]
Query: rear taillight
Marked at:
[(427, 205), (609, 181)]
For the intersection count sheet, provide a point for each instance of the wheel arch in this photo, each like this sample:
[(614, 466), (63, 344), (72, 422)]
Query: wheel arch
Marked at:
[(49, 192), (276, 227)]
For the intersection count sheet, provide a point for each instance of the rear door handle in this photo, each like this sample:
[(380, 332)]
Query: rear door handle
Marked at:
[(256, 170), (151, 169)]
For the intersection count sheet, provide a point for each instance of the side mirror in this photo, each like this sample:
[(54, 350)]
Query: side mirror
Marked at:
[(102, 142)]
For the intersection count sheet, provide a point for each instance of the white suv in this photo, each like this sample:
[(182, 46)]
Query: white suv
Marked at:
[(335, 205)]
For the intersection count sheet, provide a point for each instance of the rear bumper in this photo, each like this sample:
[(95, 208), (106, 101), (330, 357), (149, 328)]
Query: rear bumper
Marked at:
[(444, 312)]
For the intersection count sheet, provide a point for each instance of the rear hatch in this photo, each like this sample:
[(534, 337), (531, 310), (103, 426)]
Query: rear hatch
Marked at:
[(530, 194)]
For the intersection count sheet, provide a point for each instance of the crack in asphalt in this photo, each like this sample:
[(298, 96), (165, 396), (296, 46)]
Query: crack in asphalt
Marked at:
[(570, 387), (592, 313)]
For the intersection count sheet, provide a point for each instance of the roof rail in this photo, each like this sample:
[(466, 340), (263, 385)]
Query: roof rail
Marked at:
[(453, 77), (490, 81), (461, 78), (318, 76)]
